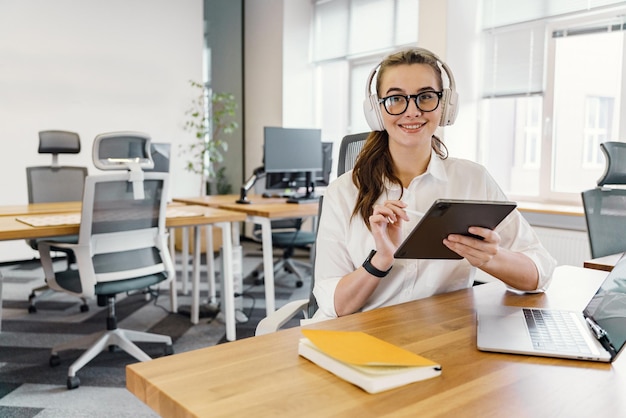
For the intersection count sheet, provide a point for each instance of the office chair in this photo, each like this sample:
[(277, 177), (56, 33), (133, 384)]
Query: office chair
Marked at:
[(605, 205), (288, 235), (348, 152), (55, 183), (122, 247)]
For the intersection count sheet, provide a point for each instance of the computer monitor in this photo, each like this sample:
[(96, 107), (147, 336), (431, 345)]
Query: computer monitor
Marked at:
[(292, 151), (297, 180), (160, 152)]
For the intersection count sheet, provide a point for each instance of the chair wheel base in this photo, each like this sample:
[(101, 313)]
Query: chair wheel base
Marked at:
[(32, 309), (73, 382), (54, 361), (84, 308)]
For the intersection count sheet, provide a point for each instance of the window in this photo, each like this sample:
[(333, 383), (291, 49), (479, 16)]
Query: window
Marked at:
[(530, 112), (598, 117), (552, 92), (349, 38)]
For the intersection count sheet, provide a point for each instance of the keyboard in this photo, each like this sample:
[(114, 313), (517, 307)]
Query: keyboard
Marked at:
[(555, 331)]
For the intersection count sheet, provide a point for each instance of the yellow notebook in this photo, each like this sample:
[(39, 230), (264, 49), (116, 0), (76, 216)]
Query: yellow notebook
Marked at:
[(365, 361)]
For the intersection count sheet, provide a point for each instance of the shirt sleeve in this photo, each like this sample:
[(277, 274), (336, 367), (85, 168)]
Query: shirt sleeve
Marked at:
[(332, 254), (517, 235)]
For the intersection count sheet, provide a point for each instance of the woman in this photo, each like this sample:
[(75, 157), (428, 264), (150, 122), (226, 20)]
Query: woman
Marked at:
[(405, 165)]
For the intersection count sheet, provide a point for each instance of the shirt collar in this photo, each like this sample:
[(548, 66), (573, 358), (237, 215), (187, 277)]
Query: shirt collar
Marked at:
[(435, 169)]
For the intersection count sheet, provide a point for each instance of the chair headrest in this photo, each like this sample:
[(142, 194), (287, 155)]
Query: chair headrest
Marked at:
[(615, 170), (59, 142), (122, 151)]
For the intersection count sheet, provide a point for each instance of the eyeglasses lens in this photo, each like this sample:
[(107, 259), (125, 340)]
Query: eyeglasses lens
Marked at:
[(397, 104)]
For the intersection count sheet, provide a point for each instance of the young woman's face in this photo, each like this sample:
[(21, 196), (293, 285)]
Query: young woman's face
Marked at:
[(413, 126)]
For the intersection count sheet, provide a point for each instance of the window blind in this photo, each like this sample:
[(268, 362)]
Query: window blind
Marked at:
[(498, 13), (513, 61)]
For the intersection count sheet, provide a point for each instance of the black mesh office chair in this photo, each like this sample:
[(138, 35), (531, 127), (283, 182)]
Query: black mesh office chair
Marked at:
[(348, 152), (122, 247), (55, 183), (605, 205), (288, 236)]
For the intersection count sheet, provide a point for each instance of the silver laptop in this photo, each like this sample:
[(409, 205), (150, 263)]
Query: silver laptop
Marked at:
[(597, 334)]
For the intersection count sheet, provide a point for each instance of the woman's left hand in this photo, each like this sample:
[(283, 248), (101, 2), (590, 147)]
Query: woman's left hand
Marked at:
[(478, 252), (386, 224)]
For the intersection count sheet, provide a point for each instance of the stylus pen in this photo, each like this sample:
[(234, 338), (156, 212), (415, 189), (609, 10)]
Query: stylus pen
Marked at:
[(409, 211), (413, 212)]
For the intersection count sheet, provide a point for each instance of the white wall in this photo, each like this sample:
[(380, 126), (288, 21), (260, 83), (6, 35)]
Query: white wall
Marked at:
[(93, 66)]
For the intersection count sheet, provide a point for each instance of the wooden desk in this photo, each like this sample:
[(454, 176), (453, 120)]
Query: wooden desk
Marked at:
[(264, 376), (40, 208), (261, 211), (12, 229), (603, 263)]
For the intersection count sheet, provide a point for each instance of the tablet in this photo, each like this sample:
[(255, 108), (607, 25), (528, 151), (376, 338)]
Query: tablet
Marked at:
[(449, 216)]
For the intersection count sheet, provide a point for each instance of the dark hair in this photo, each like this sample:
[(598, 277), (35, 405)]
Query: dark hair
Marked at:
[(374, 163)]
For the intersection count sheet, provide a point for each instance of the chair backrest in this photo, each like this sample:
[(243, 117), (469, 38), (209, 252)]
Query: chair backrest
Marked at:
[(605, 213), (349, 150), (615, 170), (56, 183), (125, 235), (605, 207), (312, 306)]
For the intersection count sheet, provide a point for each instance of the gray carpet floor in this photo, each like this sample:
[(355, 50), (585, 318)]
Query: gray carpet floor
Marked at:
[(30, 387)]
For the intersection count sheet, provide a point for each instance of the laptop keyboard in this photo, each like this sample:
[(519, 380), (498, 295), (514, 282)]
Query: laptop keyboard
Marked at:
[(554, 330)]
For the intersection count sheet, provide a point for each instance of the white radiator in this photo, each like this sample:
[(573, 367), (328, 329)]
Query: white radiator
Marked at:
[(567, 246)]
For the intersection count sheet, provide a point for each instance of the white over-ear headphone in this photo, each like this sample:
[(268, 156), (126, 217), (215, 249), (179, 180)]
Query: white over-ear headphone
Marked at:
[(449, 99)]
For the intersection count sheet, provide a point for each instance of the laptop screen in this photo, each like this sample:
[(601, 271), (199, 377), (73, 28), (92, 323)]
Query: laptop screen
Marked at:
[(608, 306)]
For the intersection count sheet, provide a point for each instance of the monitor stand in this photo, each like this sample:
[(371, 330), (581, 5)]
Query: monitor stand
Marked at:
[(309, 196), (243, 193)]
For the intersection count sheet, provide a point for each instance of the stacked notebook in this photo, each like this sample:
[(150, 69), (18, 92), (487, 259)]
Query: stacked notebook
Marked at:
[(372, 364)]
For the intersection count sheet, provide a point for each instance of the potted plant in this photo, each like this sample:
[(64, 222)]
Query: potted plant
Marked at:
[(210, 118)]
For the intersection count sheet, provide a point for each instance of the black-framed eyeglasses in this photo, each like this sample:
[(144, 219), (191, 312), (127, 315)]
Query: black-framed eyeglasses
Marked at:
[(397, 104)]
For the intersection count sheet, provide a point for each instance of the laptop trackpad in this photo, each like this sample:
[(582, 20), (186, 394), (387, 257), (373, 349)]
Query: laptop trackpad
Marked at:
[(502, 328)]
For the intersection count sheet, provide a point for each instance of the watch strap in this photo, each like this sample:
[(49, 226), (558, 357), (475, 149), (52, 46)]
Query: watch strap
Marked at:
[(367, 265)]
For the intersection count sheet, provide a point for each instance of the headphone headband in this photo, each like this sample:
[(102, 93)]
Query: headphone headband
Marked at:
[(449, 99)]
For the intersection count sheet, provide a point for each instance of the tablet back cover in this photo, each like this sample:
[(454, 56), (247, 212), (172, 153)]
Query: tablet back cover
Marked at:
[(449, 216)]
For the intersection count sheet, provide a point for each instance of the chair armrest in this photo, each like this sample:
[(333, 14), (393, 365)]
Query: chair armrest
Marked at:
[(277, 319)]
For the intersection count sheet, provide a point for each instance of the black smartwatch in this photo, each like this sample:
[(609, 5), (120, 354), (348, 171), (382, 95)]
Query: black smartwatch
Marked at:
[(367, 265)]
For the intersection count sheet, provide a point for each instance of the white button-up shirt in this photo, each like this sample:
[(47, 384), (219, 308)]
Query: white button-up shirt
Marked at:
[(343, 242)]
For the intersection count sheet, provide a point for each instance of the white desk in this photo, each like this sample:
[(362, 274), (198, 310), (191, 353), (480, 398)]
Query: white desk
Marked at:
[(261, 211), (12, 229)]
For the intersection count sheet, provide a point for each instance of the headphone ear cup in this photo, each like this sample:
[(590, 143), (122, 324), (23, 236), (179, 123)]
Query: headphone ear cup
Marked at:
[(371, 110), (449, 107)]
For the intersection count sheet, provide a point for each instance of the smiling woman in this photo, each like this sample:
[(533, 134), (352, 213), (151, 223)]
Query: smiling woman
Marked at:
[(404, 165)]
